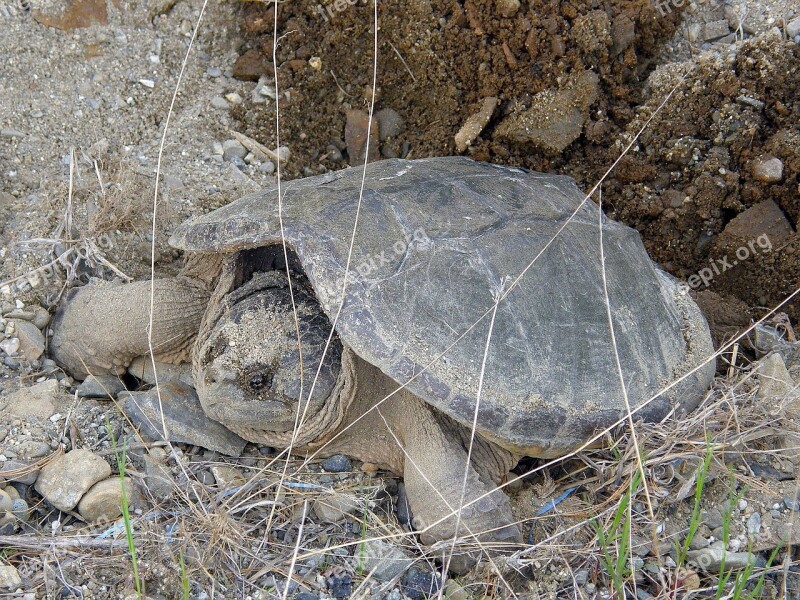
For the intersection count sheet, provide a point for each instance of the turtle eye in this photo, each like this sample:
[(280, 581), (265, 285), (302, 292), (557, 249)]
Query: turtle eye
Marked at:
[(260, 381)]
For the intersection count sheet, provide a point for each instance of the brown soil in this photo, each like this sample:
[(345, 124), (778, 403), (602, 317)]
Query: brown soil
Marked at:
[(689, 175)]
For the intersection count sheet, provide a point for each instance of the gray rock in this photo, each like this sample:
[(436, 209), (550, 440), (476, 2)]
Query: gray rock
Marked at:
[(65, 480), (158, 480), (581, 577), (754, 523), (390, 123), (710, 559), (233, 149), (103, 501), (774, 380), (383, 560), (9, 578), (100, 386), (20, 509), (768, 170), (715, 30), (337, 463), (39, 400), (6, 502), (793, 27), (142, 368), (32, 449), (334, 507), (219, 103), (10, 346), (14, 470), (40, 317), (214, 72), (791, 503), (184, 417), (419, 584)]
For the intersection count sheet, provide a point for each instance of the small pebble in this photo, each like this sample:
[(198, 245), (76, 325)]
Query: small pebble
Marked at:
[(337, 463), (754, 523), (214, 72), (419, 585), (233, 98), (768, 170), (233, 149), (220, 103), (148, 83), (340, 585)]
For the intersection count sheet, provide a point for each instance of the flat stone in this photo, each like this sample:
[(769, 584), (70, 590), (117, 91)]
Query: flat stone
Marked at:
[(762, 221), (768, 170), (710, 559), (31, 340), (157, 477), (381, 559), (556, 116), (227, 477), (185, 420), (355, 136), (40, 400), (64, 481), (474, 124), (142, 368), (100, 386), (774, 380), (715, 30), (9, 577), (103, 501), (335, 507)]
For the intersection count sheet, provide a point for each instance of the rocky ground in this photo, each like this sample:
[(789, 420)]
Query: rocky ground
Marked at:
[(564, 87)]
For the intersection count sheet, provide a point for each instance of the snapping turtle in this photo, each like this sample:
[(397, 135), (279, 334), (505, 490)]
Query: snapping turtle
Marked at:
[(416, 352)]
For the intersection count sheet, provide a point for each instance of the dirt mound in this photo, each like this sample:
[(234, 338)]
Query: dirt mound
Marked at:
[(558, 87), (438, 61), (713, 182)]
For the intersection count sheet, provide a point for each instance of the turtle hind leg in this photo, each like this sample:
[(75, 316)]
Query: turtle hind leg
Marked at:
[(102, 328), (434, 471)]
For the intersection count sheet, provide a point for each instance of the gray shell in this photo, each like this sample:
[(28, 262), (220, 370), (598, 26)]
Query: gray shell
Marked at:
[(437, 240)]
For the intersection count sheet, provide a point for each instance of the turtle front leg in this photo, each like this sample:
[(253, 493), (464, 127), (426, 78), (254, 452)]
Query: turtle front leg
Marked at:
[(101, 328), (434, 470)]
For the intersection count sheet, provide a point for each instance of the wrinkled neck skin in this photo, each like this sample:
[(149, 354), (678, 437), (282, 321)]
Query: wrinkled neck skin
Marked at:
[(263, 361)]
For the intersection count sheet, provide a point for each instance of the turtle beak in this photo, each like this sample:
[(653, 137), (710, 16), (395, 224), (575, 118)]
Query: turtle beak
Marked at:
[(224, 400)]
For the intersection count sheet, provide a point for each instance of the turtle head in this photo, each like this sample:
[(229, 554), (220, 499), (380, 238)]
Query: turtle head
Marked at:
[(253, 372)]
